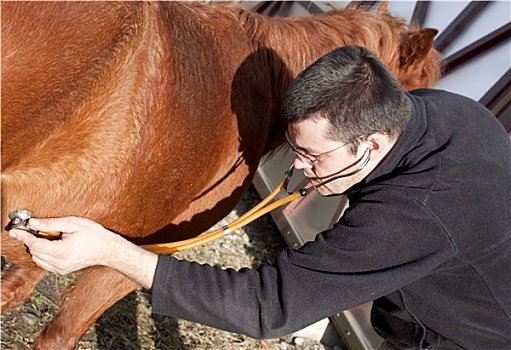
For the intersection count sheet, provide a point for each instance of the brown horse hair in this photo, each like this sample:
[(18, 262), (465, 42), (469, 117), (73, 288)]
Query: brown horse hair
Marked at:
[(380, 32)]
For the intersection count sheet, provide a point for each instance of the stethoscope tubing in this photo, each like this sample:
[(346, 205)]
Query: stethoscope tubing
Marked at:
[(264, 207)]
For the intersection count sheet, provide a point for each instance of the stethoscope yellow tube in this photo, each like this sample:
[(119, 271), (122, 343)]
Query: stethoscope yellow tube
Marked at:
[(260, 209), (19, 219)]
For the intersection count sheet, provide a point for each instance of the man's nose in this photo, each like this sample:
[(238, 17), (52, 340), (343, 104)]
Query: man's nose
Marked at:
[(301, 163)]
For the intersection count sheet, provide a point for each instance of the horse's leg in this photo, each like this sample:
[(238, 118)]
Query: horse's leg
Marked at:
[(18, 285), (81, 305)]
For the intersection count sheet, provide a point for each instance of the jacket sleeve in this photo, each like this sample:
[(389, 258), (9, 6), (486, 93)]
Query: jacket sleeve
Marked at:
[(378, 246)]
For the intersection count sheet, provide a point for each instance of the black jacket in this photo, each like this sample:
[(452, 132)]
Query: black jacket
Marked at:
[(427, 236)]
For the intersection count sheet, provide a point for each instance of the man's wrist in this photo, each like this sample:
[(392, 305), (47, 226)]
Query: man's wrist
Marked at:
[(131, 260)]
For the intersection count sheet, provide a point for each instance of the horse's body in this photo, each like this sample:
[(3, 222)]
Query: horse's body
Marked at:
[(151, 118)]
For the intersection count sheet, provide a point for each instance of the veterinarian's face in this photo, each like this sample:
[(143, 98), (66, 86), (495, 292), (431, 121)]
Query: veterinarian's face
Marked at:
[(321, 158)]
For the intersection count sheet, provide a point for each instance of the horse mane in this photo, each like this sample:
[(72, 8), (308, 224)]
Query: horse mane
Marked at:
[(300, 40), (339, 26)]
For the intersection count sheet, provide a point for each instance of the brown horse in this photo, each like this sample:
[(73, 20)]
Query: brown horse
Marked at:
[(151, 118)]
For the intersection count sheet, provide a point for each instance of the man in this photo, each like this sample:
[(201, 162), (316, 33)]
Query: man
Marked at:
[(427, 234)]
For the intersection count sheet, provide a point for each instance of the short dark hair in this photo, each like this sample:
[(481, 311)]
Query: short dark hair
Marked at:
[(354, 90)]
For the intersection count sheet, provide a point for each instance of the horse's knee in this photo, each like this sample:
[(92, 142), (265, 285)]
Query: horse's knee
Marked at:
[(18, 284), (94, 291)]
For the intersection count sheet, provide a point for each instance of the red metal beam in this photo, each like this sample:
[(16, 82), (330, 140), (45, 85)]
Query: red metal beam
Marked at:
[(477, 47), (498, 100), (311, 7), (459, 24), (419, 13)]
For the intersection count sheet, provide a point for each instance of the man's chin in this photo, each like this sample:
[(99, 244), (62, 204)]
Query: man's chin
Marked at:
[(324, 191), (327, 191)]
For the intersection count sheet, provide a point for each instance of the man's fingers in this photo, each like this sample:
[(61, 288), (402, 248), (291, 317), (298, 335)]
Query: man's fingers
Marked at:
[(35, 245), (64, 224), (48, 263), (47, 224), (42, 264), (22, 236)]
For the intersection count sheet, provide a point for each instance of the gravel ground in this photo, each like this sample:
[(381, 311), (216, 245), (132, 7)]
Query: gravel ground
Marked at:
[(129, 325)]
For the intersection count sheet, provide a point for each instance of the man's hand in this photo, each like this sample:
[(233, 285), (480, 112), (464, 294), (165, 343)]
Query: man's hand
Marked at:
[(82, 244), (86, 243)]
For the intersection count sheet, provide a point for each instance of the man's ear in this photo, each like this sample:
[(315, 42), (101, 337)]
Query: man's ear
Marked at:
[(379, 145)]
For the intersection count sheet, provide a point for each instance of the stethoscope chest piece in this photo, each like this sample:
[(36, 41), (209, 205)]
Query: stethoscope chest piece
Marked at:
[(19, 220)]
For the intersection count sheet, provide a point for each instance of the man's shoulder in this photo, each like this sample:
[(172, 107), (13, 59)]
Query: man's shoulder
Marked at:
[(446, 105), (442, 96)]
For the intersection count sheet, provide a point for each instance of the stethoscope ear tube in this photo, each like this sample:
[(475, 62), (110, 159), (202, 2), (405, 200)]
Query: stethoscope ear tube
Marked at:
[(362, 166), (306, 190), (265, 206)]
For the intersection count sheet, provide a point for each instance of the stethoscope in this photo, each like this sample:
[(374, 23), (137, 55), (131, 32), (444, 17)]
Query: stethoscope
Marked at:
[(19, 219), (260, 209), (305, 191)]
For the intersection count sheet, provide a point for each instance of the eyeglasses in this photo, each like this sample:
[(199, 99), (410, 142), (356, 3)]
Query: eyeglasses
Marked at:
[(311, 157)]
